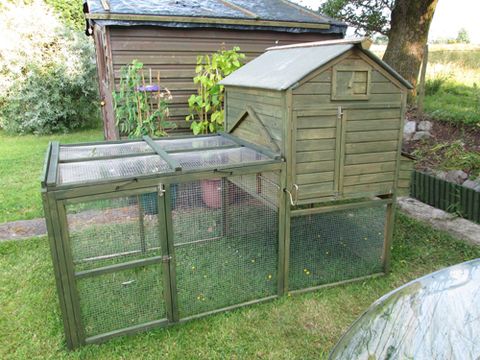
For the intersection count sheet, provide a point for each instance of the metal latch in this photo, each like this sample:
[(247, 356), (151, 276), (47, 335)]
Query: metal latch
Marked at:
[(293, 199), (161, 190), (166, 258)]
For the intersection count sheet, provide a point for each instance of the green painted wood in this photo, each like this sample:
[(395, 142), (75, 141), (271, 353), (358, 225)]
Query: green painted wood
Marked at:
[(370, 158), (312, 167), (338, 283), (48, 208), (174, 164), (74, 190), (371, 147), (445, 195), (316, 122), (172, 267), (46, 162), (373, 125), (309, 156), (313, 134), (118, 267), (369, 136), (373, 188), (164, 248), (312, 178), (369, 178), (373, 113), (68, 274), (52, 174), (362, 169), (252, 146), (340, 207), (312, 145)]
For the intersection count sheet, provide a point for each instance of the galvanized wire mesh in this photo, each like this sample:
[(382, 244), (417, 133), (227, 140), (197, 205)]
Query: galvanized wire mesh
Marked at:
[(94, 170), (68, 153), (196, 143), (219, 157), (103, 232), (121, 299), (226, 243), (340, 245)]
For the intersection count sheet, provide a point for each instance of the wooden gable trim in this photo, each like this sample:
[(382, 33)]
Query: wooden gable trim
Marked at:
[(249, 111)]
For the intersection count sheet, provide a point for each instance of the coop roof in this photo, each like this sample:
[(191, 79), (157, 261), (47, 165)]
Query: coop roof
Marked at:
[(280, 15), (129, 160), (282, 67)]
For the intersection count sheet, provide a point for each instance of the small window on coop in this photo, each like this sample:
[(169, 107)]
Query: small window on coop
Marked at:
[(350, 83)]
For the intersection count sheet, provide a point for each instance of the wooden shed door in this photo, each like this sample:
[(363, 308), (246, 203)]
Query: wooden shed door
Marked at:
[(317, 146)]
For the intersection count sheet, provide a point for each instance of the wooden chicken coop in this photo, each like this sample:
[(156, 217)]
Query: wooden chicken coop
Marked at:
[(299, 193)]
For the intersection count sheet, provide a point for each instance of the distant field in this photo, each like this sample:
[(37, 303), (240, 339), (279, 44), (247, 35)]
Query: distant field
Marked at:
[(453, 82)]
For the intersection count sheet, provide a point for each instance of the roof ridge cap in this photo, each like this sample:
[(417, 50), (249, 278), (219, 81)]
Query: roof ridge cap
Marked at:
[(363, 42)]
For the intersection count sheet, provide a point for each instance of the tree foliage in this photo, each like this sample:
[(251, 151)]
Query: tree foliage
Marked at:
[(463, 37), (47, 72), (366, 16)]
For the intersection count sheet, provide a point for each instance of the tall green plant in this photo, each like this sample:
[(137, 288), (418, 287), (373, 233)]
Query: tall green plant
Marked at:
[(206, 107), (141, 109)]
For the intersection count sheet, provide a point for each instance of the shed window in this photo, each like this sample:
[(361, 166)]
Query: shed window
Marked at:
[(350, 83)]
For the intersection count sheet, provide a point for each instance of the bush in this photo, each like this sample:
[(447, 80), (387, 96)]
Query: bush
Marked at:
[(47, 76)]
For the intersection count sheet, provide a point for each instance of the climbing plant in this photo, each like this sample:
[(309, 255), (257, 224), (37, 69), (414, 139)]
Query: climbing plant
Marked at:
[(206, 107), (141, 108)]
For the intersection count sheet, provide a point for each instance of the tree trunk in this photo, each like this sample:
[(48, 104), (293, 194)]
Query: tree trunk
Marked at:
[(410, 22)]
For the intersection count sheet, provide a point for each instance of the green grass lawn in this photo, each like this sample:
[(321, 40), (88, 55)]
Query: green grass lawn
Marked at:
[(297, 327), (21, 163), (453, 84)]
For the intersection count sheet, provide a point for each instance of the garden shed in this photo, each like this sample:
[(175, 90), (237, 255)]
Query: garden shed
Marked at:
[(168, 36)]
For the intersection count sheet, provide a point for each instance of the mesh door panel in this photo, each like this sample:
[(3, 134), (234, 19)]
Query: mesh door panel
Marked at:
[(331, 247), (109, 231), (226, 244), (121, 299)]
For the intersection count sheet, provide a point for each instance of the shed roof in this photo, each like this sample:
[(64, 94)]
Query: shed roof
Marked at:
[(236, 14), (282, 67)]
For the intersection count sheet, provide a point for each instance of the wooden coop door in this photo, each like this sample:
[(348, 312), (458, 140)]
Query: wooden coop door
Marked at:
[(318, 148)]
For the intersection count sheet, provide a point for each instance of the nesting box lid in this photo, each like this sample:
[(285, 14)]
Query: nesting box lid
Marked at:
[(282, 67)]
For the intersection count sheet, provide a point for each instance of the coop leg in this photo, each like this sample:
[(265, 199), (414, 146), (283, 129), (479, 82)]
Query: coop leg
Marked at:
[(141, 216)]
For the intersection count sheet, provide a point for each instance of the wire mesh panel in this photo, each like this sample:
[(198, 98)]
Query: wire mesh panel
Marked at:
[(109, 232), (94, 170), (208, 159), (340, 245), (68, 153), (194, 143), (121, 299), (226, 243)]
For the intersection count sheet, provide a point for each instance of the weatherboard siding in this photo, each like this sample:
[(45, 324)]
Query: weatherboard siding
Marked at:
[(173, 52)]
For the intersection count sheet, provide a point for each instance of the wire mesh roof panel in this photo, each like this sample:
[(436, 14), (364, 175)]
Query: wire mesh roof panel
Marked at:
[(209, 159), (68, 153), (196, 143), (92, 171)]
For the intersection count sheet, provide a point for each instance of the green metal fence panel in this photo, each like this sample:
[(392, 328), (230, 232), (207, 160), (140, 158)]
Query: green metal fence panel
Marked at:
[(446, 196)]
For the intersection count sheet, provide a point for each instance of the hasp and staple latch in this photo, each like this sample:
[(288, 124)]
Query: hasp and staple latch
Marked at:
[(161, 190), (293, 195)]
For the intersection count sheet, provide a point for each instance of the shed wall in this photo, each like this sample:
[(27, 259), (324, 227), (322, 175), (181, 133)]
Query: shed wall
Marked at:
[(349, 155), (174, 52)]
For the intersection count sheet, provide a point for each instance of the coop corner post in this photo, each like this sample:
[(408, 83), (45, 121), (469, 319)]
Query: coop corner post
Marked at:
[(48, 211), (282, 270), (167, 248)]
